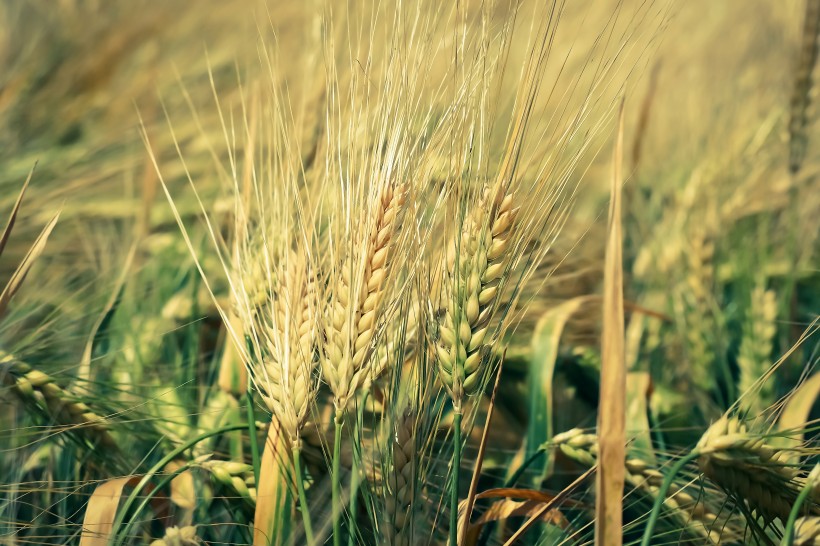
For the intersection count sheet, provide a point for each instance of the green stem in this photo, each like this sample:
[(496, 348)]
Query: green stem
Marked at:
[(454, 483), (303, 505), (523, 468), (788, 534), (252, 432), (354, 493), (355, 477), (336, 490), (129, 502), (661, 496)]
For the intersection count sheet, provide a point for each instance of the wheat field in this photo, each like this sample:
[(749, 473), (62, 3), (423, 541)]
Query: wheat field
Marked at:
[(409, 272)]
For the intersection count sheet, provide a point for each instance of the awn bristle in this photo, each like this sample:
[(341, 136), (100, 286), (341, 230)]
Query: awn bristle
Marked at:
[(747, 469), (476, 268), (355, 310)]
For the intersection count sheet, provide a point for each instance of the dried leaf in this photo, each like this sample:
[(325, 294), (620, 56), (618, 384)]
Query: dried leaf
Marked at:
[(272, 494), (612, 402), (508, 508), (22, 270), (13, 216), (797, 410), (101, 511)]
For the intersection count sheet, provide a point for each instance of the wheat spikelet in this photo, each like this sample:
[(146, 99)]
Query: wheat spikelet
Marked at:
[(756, 348), (801, 95), (357, 300), (179, 536), (34, 386), (691, 513), (236, 477), (747, 469), (477, 264)]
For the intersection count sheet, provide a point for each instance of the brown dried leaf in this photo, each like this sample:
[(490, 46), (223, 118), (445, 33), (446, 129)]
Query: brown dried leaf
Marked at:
[(101, 511)]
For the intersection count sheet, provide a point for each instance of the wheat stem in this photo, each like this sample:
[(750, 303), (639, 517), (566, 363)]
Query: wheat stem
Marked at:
[(252, 431), (300, 486), (662, 492), (154, 470), (354, 493), (454, 483), (336, 492)]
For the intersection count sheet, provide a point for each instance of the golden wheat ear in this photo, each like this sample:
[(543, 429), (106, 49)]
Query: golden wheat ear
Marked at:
[(748, 469), (803, 83)]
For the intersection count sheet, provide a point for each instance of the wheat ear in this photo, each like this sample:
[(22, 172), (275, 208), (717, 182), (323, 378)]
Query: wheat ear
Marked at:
[(747, 469), (350, 331), (179, 536), (801, 95), (402, 480), (42, 390), (690, 513), (291, 366), (477, 265), (807, 531), (355, 308)]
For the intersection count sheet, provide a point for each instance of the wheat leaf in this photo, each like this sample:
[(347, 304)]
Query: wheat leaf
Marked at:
[(612, 403)]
